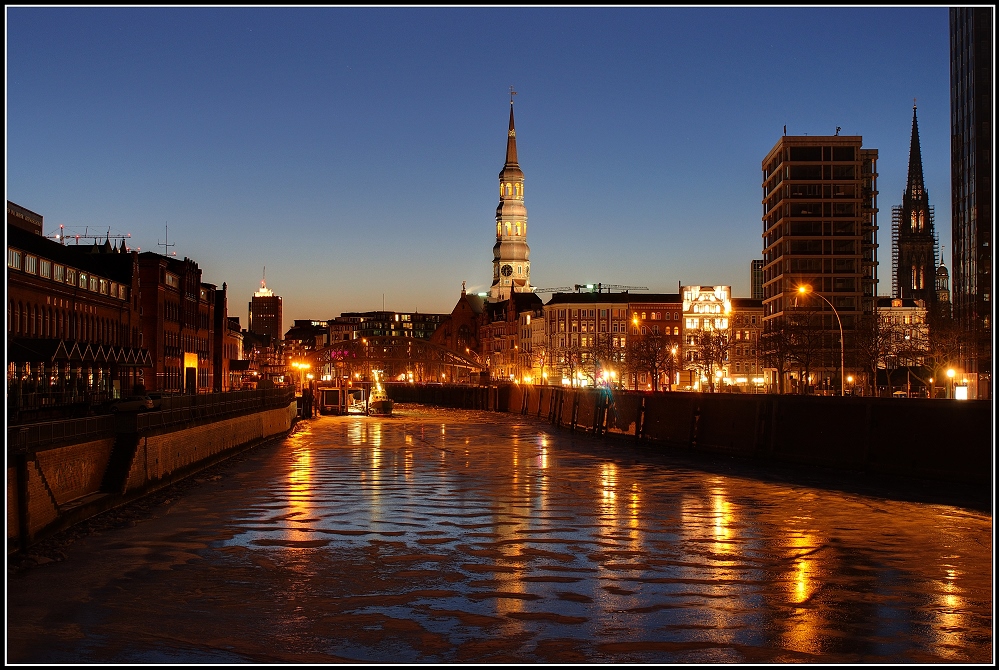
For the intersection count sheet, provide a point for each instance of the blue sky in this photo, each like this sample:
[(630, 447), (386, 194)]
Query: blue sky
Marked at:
[(354, 152)]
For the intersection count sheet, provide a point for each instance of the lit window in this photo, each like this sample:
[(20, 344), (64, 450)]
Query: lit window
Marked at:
[(45, 269), (14, 259), (31, 264)]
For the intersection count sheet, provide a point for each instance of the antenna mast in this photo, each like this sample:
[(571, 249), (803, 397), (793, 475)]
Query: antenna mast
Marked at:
[(165, 244)]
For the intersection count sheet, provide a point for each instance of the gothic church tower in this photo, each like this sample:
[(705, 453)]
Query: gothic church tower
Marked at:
[(511, 264), (914, 265)]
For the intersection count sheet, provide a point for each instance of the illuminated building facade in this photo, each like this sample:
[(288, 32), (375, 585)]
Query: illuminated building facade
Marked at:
[(820, 231), (586, 332), (707, 314), (511, 255)]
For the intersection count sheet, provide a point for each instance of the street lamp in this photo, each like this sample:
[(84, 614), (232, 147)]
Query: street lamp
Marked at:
[(950, 383), (805, 289)]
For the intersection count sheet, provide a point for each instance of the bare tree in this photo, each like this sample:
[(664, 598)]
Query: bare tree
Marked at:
[(775, 349), (653, 353), (880, 345), (806, 342)]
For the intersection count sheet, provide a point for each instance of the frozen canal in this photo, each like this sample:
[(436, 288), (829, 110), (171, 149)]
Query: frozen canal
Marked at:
[(447, 536)]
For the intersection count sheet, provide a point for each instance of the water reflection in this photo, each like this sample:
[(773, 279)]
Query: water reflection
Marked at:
[(535, 530)]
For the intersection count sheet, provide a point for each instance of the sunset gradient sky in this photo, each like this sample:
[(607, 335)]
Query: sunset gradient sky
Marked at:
[(354, 152)]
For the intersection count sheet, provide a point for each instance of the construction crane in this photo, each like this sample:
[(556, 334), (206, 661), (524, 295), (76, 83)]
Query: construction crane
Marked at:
[(590, 288), (557, 289), (62, 236)]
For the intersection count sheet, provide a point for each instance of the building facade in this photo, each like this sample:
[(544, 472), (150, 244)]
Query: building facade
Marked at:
[(756, 279), (178, 324), (820, 235), (913, 237), (972, 112), (267, 313), (73, 320), (745, 369), (511, 255)]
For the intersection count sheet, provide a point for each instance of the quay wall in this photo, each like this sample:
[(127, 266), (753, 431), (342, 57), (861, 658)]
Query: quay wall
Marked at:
[(52, 486), (930, 439)]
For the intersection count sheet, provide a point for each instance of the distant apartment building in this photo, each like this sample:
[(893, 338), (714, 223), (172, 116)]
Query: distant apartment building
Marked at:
[(820, 233), (746, 364), (655, 322), (356, 325), (972, 113), (587, 333)]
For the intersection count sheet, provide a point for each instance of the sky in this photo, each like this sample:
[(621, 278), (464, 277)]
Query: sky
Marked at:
[(351, 155)]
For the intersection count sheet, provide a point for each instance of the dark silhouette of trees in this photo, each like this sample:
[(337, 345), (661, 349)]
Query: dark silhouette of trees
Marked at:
[(653, 353)]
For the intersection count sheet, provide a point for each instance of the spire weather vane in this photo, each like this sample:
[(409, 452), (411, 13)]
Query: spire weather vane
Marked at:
[(512, 93)]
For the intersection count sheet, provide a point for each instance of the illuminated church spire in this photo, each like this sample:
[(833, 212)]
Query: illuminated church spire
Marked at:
[(511, 264)]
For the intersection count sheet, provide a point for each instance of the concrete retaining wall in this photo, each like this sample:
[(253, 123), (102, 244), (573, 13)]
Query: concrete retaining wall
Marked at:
[(57, 479), (942, 440)]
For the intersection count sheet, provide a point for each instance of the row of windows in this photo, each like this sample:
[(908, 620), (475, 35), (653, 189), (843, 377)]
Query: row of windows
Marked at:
[(33, 265), (40, 321)]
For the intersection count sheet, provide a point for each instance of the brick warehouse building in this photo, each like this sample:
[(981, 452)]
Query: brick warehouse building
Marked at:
[(178, 323), (73, 326)]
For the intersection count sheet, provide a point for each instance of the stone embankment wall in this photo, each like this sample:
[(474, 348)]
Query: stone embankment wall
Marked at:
[(53, 486), (941, 440)]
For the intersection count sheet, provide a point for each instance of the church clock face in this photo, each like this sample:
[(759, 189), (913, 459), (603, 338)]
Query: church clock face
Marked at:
[(507, 270)]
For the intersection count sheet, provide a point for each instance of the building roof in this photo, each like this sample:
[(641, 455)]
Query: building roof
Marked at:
[(885, 302), (115, 266), (617, 298)]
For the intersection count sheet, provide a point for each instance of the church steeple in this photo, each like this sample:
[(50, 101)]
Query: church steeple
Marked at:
[(913, 238), (511, 255), (915, 192), (511, 139)]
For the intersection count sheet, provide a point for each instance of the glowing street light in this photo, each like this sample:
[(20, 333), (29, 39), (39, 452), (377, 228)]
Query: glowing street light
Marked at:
[(805, 289)]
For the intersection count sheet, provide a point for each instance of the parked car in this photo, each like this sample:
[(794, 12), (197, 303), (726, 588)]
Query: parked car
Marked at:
[(157, 398), (133, 403)]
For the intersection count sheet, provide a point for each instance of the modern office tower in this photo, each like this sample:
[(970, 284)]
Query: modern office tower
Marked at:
[(266, 314), (913, 237), (820, 236), (756, 279), (511, 255), (972, 112)]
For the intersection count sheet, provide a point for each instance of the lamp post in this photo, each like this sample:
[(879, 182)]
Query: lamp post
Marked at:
[(842, 343), (950, 383)]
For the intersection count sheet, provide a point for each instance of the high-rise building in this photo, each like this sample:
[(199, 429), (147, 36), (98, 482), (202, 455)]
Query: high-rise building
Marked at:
[(913, 237), (756, 279), (820, 236), (972, 112), (511, 255), (266, 314)]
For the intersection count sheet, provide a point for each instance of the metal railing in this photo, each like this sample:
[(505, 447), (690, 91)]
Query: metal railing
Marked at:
[(30, 437)]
